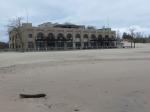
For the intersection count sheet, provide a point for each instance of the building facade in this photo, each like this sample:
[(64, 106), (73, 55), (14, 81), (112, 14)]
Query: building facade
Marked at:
[(50, 36)]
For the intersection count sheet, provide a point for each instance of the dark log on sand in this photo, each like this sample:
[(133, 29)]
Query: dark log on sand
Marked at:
[(32, 95)]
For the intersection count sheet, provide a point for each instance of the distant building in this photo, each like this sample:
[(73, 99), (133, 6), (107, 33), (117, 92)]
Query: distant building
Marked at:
[(49, 36), (3, 45)]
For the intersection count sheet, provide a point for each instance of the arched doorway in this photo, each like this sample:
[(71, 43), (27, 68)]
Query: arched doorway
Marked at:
[(51, 41), (100, 41), (106, 41), (78, 41), (69, 41), (40, 41), (93, 41), (61, 41), (85, 41)]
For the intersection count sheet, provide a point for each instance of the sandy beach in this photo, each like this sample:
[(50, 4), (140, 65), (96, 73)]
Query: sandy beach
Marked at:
[(102, 80)]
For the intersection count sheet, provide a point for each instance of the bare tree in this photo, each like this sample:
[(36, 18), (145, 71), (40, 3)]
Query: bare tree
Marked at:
[(138, 35), (132, 33), (15, 26)]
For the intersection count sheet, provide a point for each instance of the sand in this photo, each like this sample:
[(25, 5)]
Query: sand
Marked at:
[(110, 80)]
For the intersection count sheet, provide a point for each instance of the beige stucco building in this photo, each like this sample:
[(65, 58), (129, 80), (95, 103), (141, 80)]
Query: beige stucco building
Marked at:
[(50, 36)]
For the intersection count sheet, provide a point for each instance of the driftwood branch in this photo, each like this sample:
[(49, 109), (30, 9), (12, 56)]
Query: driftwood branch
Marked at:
[(32, 95)]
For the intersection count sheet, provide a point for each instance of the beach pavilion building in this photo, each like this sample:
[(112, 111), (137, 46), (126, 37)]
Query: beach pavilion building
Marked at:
[(54, 36)]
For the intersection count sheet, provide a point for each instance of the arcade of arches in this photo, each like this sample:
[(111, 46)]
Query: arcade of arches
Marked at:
[(70, 41)]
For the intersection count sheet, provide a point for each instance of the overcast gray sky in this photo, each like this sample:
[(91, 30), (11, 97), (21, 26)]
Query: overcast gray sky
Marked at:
[(119, 14)]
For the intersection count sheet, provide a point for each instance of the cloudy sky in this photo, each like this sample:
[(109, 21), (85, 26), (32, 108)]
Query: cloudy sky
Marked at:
[(118, 14)]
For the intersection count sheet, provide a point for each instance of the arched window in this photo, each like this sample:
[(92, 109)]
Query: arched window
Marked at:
[(69, 41), (106, 37), (51, 36), (78, 41), (106, 41), (78, 38), (40, 36), (93, 37), (40, 41), (60, 40), (85, 37), (100, 41), (60, 37), (69, 37), (100, 37), (85, 40), (93, 41), (51, 41)]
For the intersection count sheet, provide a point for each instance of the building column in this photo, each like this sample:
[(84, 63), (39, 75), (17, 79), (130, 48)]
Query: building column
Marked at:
[(73, 42), (82, 42)]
